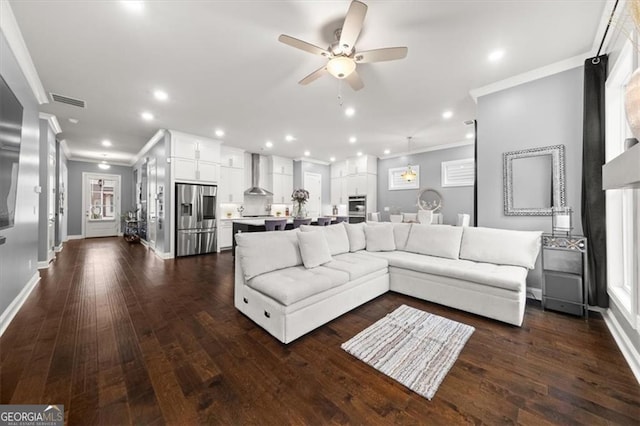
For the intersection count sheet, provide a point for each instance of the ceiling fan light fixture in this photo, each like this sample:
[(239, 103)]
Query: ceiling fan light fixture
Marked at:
[(341, 66)]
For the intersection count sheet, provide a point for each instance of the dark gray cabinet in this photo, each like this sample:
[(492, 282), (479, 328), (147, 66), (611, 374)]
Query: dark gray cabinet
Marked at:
[(564, 271)]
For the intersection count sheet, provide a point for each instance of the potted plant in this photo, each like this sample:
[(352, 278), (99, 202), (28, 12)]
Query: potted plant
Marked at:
[(299, 198)]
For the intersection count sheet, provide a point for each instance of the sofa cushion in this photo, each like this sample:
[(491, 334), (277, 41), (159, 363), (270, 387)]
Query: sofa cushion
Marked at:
[(355, 232), (314, 249), (401, 234), (435, 240), (501, 246), (501, 276), (357, 264), (290, 285), (380, 237), (336, 236), (258, 254)]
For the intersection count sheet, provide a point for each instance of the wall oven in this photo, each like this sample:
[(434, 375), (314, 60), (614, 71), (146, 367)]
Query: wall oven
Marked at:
[(358, 207)]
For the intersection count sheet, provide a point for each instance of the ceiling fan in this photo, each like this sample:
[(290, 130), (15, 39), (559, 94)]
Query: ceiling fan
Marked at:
[(341, 54)]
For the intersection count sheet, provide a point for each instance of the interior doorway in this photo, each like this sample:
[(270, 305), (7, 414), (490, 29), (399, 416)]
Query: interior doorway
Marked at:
[(313, 184), (101, 202)]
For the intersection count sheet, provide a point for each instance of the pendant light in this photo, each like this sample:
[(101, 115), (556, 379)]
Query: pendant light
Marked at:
[(409, 175)]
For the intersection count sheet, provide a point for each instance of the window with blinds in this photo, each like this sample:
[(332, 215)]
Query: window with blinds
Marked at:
[(458, 173)]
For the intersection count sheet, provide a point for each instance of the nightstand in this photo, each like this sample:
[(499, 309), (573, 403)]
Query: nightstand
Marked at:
[(564, 274)]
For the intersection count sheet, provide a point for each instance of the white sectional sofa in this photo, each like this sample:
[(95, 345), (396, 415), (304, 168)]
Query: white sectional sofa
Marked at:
[(291, 282)]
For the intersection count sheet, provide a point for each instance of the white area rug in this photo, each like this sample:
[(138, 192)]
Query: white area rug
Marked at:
[(414, 347)]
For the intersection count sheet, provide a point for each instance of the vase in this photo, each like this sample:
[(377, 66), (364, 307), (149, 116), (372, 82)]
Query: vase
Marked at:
[(632, 103), (299, 212)]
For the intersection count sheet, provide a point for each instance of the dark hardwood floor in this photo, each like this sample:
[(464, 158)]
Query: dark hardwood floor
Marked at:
[(121, 337)]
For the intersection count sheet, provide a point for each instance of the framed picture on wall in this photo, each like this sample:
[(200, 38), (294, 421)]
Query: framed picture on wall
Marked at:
[(397, 182)]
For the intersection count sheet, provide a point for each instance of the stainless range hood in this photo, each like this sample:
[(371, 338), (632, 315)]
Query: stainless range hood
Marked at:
[(255, 178)]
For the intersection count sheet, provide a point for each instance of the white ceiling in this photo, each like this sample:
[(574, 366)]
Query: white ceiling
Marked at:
[(222, 66)]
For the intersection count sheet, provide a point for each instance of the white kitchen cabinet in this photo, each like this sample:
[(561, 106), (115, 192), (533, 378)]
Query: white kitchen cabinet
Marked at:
[(184, 169), (282, 188), (357, 184), (231, 157), (225, 234), (184, 145), (339, 169), (207, 172), (361, 165), (281, 165), (231, 185), (339, 192)]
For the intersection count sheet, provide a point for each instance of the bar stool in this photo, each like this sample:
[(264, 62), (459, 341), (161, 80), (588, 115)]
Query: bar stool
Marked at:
[(324, 221), (342, 219), (298, 222), (275, 224)]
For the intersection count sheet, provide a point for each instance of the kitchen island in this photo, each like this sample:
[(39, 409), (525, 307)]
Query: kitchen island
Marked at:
[(257, 225)]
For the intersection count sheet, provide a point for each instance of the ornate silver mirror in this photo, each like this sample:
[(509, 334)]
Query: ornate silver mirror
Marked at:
[(533, 181), (429, 199)]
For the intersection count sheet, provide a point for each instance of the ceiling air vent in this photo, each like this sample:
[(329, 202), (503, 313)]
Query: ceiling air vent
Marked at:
[(67, 100)]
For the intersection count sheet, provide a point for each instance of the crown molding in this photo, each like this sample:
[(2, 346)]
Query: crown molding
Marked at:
[(98, 161), (428, 149), (312, 160), (154, 139), (11, 31), (53, 122), (65, 148)]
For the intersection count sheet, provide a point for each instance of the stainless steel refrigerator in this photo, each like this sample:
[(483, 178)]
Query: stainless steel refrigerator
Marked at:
[(195, 219)]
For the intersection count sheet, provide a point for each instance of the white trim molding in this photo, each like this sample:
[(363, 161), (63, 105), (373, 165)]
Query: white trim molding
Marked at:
[(43, 264), (630, 353), (59, 248), (65, 148), (11, 31), (154, 139), (53, 122), (11, 311), (75, 237), (312, 160), (428, 149)]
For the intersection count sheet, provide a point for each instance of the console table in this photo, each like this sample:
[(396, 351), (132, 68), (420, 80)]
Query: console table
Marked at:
[(564, 274)]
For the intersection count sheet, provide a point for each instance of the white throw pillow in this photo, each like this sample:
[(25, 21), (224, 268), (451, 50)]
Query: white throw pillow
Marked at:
[(501, 246), (336, 236), (435, 240), (355, 232), (401, 234), (380, 238), (314, 249), (262, 252)]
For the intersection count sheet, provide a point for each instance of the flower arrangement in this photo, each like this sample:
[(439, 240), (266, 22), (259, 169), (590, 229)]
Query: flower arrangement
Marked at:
[(299, 197)]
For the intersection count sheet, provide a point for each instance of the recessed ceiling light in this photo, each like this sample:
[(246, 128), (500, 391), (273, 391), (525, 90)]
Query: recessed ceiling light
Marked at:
[(161, 95), (133, 5), (146, 116), (353, 139), (359, 153), (289, 138), (447, 114), (387, 151), (469, 135), (106, 142), (74, 120), (332, 159), (219, 133), (349, 112), (307, 153), (496, 55), (268, 144), (104, 166)]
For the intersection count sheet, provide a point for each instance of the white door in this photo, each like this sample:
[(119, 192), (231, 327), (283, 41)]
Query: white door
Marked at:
[(152, 198), (51, 205), (313, 184), (101, 201)]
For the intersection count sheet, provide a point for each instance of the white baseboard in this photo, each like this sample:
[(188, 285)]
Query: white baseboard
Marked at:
[(534, 293), (59, 248), (14, 307), (629, 352), (163, 256), (75, 237), (43, 264)]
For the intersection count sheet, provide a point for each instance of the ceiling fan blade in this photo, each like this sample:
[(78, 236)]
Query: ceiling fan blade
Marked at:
[(303, 45), (354, 81), (314, 76), (381, 55), (352, 25)]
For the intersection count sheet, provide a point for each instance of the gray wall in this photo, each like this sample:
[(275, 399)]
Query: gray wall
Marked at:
[(76, 210), (19, 255), (454, 199), (540, 113), (299, 169)]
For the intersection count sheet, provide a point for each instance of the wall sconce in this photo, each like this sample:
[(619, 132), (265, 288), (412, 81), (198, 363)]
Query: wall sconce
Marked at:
[(562, 223)]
